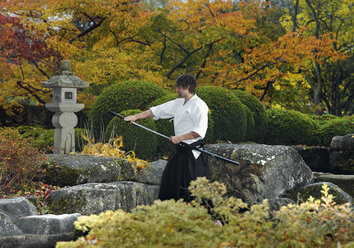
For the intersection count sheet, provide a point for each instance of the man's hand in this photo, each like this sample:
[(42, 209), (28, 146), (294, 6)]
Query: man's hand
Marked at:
[(130, 118), (175, 139)]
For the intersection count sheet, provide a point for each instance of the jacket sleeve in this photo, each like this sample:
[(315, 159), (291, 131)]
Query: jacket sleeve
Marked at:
[(200, 120), (165, 110)]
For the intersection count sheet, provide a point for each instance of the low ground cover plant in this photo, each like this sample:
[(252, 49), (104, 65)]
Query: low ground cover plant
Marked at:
[(314, 223)]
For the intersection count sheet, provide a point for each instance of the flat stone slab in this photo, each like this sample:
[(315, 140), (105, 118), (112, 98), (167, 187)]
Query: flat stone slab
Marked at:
[(7, 227), (264, 172), (345, 182), (88, 169), (70, 170), (47, 224), (34, 240), (17, 207), (94, 198), (314, 190)]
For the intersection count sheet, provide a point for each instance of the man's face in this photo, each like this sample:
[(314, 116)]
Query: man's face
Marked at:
[(182, 92)]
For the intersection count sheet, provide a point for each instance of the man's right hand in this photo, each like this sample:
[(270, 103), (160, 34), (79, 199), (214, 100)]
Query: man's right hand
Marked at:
[(130, 118)]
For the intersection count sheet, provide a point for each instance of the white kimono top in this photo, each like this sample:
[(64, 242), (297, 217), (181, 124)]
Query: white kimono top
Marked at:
[(189, 117)]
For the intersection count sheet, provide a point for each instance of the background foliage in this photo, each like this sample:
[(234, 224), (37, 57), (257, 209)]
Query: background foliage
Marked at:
[(294, 54)]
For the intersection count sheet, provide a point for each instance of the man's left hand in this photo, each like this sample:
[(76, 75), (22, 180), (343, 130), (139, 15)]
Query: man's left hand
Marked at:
[(175, 139)]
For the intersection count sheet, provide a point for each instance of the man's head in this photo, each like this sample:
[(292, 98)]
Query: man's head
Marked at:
[(185, 84)]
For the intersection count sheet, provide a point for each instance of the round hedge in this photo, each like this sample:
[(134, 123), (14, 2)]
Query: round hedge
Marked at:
[(323, 119), (289, 127), (126, 95), (250, 123), (259, 114), (335, 127), (229, 117), (142, 142), (165, 126)]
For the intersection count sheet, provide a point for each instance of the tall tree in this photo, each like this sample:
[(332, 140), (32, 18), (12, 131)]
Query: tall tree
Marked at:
[(332, 18)]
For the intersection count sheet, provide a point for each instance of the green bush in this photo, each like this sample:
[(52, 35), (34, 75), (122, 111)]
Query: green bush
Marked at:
[(43, 139), (322, 119), (165, 126), (250, 123), (126, 95), (142, 142), (229, 117), (259, 114), (289, 127), (335, 127), (315, 223)]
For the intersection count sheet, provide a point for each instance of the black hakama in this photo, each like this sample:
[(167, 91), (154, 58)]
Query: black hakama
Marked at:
[(181, 169)]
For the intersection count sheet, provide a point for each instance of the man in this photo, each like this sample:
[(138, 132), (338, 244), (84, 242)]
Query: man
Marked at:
[(190, 118)]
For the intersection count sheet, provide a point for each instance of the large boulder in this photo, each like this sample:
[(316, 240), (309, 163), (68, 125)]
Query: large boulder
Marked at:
[(68, 170), (342, 143), (94, 198), (17, 207), (264, 171), (153, 174), (316, 157), (342, 154)]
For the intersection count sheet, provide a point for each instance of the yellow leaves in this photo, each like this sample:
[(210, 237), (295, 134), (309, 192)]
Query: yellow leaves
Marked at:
[(112, 149), (225, 245)]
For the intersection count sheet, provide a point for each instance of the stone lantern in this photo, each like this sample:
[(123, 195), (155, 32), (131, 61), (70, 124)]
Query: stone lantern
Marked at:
[(64, 105)]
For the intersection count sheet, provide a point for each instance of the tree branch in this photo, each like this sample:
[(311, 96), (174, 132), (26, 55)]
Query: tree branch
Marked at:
[(206, 56), (255, 72), (163, 50), (177, 44), (182, 61), (295, 15), (96, 25), (28, 88), (43, 72), (317, 30)]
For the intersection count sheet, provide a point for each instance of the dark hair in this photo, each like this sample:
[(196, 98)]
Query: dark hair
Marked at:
[(186, 80)]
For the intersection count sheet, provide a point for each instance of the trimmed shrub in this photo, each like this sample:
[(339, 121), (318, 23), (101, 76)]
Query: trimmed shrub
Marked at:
[(229, 117), (142, 142), (126, 95), (322, 119), (335, 127), (259, 114), (165, 126), (250, 123), (290, 127)]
